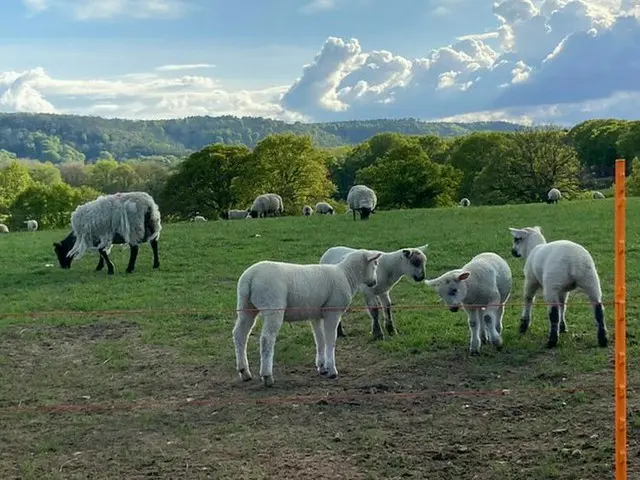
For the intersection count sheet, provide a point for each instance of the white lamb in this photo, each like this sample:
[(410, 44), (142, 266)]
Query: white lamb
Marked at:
[(597, 195), (465, 202), (362, 199), (4, 228), (392, 266), (553, 196), (289, 292), (323, 208), (558, 268), (307, 211), (198, 218), (236, 215), (267, 204), (32, 225), (482, 287)]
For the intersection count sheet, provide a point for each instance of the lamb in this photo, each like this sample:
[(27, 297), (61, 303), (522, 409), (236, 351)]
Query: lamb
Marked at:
[(559, 267), (323, 208), (392, 266), (482, 287), (32, 225), (465, 202), (198, 218), (307, 211), (598, 195), (362, 199), (553, 196), (236, 214), (290, 292), (122, 218), (4, 228), (266, 204)]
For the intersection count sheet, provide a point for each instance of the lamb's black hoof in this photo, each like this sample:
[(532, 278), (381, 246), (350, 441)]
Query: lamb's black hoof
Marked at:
[(602, 339)]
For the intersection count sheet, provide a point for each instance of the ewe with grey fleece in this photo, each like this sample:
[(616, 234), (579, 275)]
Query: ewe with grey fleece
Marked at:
[(267, 204), (307, 211), (32, 225), (362, 199), (281, 292), (598, 195), (96, 222), (558, 268), (392, 266), (323, 208), (237, 214), (4, 228), (481, 288), (554, 195), (465, 202)]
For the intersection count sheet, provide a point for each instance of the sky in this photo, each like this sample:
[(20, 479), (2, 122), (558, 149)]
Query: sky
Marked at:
[(528, 61)]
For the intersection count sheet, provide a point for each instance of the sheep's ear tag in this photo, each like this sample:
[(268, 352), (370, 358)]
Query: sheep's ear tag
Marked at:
[(463, 276)]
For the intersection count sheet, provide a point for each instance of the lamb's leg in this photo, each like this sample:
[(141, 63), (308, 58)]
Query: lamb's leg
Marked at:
[(592, 289), (563, 309), (244, 324), (388, 323), (154, 248), (473, 317), (271, 323), (330, 326), (105, 257), (531, 286), (133, 255), (553, 300), (490, 317), (100, 263), (373, 306), (318, 335), (500, 314)]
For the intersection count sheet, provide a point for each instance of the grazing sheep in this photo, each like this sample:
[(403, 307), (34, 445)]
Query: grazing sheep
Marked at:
[(362, 199), (392, 266), (235, 214), (289, 292), (553, 196), (465, 202), (598, 195), (198, 218), (123, 218), (32, 225), (557, 267), (4, 228), (323, 208), (266, 204), (307, 211), (481, 287)]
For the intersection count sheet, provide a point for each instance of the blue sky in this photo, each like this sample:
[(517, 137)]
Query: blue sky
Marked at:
[(522, 60)]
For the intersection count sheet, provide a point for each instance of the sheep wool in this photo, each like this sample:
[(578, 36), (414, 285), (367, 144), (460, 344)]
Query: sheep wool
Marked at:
[(557, 267), (392, 266), (307, 211), (199, 218), (4, 228), (323, 208), (481, 287), (279, 292), (553, 196), (598, 195), (362, 199), (237, 214), (32, 225), (465, 202), (267, 204)]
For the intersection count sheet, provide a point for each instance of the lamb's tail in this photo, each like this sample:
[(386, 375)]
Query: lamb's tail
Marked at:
[(244, 293)]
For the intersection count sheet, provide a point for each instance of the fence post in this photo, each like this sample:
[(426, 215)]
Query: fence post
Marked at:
[(620, 326)]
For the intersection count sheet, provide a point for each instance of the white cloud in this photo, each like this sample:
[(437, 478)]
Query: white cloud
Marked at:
[(104, 9), (315, 6), (187, 66)]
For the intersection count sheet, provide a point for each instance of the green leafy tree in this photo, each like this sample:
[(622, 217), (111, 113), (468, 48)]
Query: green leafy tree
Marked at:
[(152, 177), (75, 174), (14, 179), (628, 144), (102, 176), (45, 173), (596, 143), (633, 180)]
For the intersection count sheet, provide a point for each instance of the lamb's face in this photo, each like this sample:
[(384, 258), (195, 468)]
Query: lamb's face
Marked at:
[(521, 240), (415, 263), (371, 270), (451, 287)]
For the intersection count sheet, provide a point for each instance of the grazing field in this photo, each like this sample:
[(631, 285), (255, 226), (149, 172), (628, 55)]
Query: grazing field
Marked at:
[(149, 388)]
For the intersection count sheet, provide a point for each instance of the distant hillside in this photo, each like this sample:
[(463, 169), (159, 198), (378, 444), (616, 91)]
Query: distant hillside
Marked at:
[(60, 138)]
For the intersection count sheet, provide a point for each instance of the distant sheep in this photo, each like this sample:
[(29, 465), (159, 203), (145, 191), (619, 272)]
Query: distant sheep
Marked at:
[(307, 211), (236, 214), (198, 218), (392, 266), (32, 225), (598, 195), (289, 292), (362, 199), (323, 208), (481, 287), (123, 218), (267, 204), (557, 267), (553, 196), (465, 202), (4, 228)]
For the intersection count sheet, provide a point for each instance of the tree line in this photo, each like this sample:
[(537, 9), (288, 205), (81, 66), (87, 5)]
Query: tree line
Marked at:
[(406, 171)]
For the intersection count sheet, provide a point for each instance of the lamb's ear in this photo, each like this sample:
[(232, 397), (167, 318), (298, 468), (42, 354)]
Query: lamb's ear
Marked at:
[(515, 232), (423, 248), (374, 257), (537, 229), (406, 252), (463, 276)]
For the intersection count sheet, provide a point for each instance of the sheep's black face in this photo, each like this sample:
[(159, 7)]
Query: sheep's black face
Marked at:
[(515, 253), (454, 309), (364, 214), (253, 213), (61, 253)]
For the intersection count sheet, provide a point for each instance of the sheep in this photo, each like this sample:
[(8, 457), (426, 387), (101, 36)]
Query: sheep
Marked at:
[(123, 218), (198, 218), (553, 196), (4, 228), (266, 204), (323, 208), (557, 267), (392, 266), (465, 202), (362, 199), (307, 211), (32, 225), (482, 287), (290, 292), (235, 214), (597, 195)]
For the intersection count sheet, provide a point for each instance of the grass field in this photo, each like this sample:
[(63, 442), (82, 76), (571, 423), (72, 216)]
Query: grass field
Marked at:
[(154, 393)]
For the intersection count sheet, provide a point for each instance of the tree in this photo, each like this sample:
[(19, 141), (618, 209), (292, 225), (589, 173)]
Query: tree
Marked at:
[(152, 177), (595, 142), (633, 180), (102, 175), (405, 177), (14, 179), (75, 174), (628, 144), (45, 173), (203, 183)]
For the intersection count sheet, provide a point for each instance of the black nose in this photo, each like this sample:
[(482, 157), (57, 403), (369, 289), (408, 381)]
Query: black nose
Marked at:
[(454, 309), (418, 278), (515, 253)]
